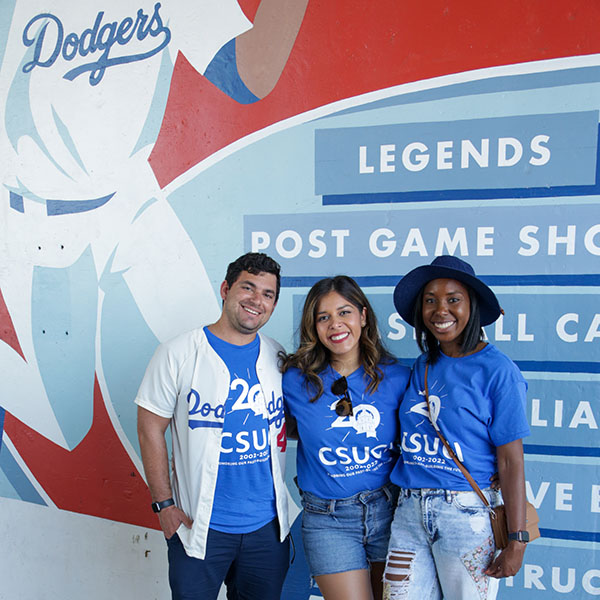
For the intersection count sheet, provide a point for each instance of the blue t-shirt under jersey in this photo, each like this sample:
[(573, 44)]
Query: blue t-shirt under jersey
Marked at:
[(342, 456), (244, 497), (478, 402)]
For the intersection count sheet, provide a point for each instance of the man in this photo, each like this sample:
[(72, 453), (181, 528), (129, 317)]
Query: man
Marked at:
[(224, 513)]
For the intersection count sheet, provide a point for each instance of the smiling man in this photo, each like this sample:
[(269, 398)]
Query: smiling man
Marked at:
[(224, 509)]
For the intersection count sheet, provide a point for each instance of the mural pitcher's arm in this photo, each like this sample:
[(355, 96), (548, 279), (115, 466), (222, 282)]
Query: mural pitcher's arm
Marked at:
[(153, 446), (165, 274), (262, 52)]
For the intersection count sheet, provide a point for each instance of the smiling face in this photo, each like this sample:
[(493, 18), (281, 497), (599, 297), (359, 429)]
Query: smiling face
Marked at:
[(446, 310), (339, 326), (247, 306)]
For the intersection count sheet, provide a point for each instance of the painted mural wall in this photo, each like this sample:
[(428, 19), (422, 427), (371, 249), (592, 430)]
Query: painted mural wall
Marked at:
[(144, 145)]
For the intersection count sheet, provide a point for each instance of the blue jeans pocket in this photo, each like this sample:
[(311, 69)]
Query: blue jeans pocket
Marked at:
[(314, 504), (314, 508), (470, 502), (401, 497)]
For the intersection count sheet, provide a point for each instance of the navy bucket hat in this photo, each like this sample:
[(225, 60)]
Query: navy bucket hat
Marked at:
[(444, 267)]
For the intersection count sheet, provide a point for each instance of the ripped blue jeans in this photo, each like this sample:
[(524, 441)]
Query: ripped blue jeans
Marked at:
[(440, 544)]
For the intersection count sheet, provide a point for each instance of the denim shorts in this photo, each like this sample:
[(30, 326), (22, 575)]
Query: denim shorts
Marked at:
[(349, 533), (446, 538)]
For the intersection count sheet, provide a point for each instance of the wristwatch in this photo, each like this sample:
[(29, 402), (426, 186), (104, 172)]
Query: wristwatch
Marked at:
[(158, 506), (519, 536)]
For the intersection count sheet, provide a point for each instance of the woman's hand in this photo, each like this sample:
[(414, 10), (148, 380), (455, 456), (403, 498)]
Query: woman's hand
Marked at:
[(291, 428), (495, 481), (508, 562)]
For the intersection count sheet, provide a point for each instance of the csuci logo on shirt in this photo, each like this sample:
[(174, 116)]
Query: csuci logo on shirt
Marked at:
[(422, 408), (419, 443), (365, 420), (46, 34), (248, 397)]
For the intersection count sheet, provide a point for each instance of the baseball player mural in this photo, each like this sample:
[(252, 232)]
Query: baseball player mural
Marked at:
[(143, 143), (84, 89)]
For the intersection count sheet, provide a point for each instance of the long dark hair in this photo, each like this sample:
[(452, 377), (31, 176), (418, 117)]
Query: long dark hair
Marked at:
[(471, 336), (312, 357)]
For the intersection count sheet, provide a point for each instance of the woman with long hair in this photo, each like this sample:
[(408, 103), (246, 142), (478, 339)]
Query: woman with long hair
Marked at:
[(341, 391), (474, 396)]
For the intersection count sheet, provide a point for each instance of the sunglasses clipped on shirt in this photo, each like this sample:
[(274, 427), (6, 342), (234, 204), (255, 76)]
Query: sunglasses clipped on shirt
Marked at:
[(343, 408)]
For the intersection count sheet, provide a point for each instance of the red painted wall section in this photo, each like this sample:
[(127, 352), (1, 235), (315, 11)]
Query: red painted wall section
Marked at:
[(96, 478), (413, 42), (7, 329)]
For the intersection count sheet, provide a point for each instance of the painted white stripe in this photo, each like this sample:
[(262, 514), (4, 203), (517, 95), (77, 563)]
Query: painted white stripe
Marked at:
[(23, 465)]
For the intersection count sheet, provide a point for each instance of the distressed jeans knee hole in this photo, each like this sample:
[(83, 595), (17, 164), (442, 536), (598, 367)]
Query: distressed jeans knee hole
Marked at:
[(396, 577)]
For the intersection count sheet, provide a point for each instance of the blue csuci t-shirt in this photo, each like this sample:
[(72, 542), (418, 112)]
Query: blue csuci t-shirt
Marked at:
[(477, 401), (342, 456), (244, 497)]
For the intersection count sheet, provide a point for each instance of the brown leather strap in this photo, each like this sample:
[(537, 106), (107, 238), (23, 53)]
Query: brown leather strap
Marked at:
[(451, 452)]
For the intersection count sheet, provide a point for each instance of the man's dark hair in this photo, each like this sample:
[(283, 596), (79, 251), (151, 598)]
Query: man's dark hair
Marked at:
[(254, 263)]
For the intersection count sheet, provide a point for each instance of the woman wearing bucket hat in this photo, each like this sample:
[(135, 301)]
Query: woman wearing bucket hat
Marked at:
[(441, 543), (341, 391)]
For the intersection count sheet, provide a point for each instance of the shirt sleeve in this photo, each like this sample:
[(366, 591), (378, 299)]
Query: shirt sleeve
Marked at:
[(158, 390), (509, 419), (223, 72), (289, 386)]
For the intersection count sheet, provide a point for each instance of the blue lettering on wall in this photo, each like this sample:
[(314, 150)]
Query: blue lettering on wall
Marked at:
[(50, 42)]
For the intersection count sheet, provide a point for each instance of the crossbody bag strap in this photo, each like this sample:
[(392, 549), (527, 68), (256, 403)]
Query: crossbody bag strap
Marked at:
[(451, 452)]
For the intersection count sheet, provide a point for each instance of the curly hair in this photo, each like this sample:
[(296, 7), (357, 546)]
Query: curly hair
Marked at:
[(254, 263), (311, 357)]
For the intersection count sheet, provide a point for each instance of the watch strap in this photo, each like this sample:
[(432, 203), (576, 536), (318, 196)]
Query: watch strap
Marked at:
[(158, 506), (519, 536)]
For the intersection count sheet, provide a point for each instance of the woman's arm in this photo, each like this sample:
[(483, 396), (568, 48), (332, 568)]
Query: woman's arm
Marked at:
[(262, 52), (512, 481), (291, 427)]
